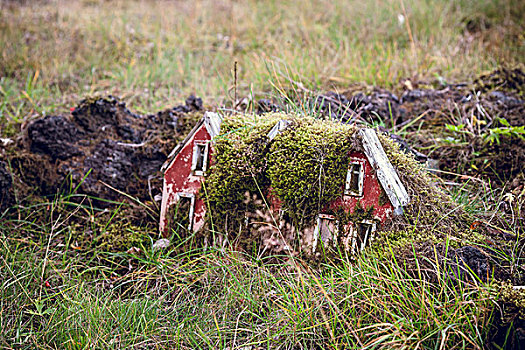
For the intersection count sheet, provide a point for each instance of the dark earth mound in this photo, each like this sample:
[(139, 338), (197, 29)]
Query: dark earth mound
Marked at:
[(102, 148), (474, 129)]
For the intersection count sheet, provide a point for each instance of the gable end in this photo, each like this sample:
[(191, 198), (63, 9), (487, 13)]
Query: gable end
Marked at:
[(212, 121)]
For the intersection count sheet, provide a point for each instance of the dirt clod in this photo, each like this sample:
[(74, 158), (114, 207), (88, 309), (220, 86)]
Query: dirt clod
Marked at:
[(54, 136), (103, 148), (6, 182)]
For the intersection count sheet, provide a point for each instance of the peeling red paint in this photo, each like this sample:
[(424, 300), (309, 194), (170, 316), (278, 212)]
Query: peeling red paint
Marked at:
[(178, 178), (371, 193)]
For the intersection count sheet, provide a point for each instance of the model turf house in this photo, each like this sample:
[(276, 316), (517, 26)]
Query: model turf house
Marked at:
[(369, 192)]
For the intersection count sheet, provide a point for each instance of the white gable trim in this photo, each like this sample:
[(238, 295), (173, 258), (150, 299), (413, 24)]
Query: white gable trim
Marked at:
[(278, 128), (386, 174), (212, 122)]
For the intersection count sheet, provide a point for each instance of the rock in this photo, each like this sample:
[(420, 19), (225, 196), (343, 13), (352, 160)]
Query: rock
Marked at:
[(162, 243)]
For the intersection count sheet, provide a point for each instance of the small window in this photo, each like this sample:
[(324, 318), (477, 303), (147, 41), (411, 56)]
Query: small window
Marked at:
[(183, 211), (354, 179), (325, 230), (362, 235), (200, 158)]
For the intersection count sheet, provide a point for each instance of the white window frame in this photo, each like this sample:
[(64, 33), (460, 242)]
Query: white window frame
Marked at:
[(321, 218), (350, 173), (368, 236), (196, 153), (180, 195)]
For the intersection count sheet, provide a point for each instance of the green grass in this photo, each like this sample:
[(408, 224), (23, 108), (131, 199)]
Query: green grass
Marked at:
[(53, 296), (154, 54), (62, 288)]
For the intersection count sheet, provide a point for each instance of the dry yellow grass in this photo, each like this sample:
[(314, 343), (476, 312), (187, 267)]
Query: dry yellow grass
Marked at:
[(155, 53)]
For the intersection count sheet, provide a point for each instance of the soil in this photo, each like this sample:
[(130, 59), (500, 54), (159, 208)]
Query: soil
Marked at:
[(101, 147), (6, 182)]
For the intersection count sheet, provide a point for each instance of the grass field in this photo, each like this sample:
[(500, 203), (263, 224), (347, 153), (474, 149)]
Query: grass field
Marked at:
[(154, 54), (57, 294)]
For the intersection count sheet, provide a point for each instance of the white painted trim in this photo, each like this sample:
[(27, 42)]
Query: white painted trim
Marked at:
[(163, 206), (180, 195), (349, 175), (386, 174), (213, 122), (195, 157), (317, 229), (354, 234)]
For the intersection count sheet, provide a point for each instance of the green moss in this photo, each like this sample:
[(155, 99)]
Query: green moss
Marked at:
[(430, 209), (239, 166), (513, 298), (112, 233), (307, 166), (119, 237), (304, 169)]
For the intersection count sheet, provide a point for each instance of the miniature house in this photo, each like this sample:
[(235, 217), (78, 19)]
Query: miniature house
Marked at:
[(371, 182), (184, 174)]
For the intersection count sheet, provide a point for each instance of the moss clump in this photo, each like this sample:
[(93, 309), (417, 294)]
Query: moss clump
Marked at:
[(307, 165), (430, 208), (239, 166), (513, 298), (119, 237), (112, 232), (304, 167), (405, 240)]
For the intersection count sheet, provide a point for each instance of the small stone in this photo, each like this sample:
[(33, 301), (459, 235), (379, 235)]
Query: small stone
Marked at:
[(162, 243)]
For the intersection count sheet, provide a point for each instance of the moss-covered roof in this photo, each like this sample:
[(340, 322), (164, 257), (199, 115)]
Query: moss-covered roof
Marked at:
[(304, 167)]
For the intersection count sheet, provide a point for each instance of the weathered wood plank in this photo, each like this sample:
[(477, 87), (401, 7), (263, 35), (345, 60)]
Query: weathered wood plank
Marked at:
[(213, 122), (278, 128), (386, 173)]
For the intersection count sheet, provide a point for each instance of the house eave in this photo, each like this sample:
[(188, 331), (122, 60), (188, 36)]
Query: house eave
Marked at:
[(385, 172), (212, 121), (171, 157)]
